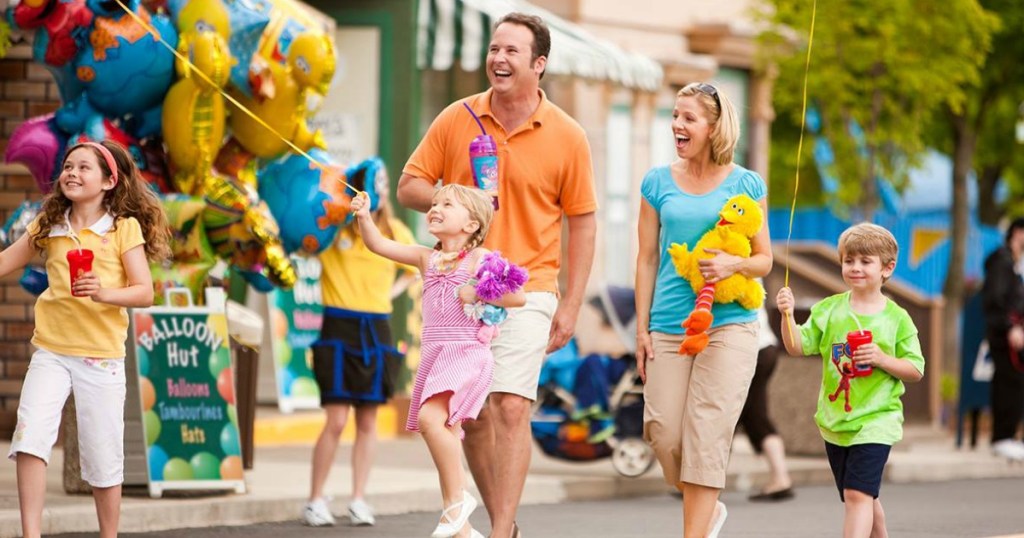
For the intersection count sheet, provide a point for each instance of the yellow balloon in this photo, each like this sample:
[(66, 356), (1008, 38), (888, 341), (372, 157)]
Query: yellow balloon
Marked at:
[(204, 15), (194, 113)]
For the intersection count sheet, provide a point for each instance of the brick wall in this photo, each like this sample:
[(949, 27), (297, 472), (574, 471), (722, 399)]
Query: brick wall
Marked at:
[(26, 90)]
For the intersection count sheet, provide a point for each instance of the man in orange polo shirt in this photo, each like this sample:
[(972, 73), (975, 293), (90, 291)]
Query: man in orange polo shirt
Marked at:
[(545, 172)]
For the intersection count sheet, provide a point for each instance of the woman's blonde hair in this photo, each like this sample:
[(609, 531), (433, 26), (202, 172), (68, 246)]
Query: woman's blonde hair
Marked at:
[(725, 123), (480, 207)]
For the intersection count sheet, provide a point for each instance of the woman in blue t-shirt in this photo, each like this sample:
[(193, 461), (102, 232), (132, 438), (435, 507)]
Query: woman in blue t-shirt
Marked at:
[(693, 402)]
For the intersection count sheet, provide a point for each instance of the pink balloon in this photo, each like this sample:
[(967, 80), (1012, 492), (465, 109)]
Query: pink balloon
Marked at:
[(37, 144)]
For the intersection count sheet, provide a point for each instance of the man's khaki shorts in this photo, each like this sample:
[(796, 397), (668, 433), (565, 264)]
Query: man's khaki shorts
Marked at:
[(519, 349)]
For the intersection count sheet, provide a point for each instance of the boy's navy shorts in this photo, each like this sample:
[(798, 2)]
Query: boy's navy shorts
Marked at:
[(858, 467)]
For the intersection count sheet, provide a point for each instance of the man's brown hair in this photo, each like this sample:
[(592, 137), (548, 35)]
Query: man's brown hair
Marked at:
[(536, 25)]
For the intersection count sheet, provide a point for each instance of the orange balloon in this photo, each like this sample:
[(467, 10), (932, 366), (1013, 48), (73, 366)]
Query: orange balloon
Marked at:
[(143, 323), (279, 324), (231, 468), (148, 393), (225, 385)]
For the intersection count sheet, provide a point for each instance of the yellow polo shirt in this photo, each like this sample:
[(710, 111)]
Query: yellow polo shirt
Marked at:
[(79, 326), (356, 279)]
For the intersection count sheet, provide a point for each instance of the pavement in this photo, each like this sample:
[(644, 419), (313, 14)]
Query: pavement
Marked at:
[(403, 480)]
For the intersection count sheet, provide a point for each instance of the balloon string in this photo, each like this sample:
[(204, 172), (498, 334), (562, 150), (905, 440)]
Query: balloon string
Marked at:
[(799, 147), (156, 35)]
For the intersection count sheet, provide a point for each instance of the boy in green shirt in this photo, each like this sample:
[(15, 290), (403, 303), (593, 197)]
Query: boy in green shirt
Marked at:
[(860, 414)]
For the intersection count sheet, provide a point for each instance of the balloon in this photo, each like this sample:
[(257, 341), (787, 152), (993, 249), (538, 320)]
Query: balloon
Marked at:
[(17, 223), (193, 112), (229, 440), (369, 176), (308, 201), (147, 393), (143, 323), (285, 378), (123, 69), (151, 423), (284, 95), (305, 387), (278, 323), (34, 279), (157, 461), (177, 469), (205, 466), (225, 385), (231, 468), (142, 356), (283, 352), (219, 360), (233, 415), (39, 145)]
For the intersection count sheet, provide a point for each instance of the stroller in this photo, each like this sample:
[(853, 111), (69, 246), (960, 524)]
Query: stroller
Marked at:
[(592, 407)]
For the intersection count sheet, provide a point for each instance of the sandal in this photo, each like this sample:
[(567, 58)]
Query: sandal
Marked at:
[(452, 527)]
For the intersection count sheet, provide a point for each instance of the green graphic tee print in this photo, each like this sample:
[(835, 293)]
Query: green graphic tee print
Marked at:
[(876, 414)]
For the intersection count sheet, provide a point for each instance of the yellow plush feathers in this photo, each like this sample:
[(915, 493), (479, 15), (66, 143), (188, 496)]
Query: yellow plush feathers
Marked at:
[(741, 219)]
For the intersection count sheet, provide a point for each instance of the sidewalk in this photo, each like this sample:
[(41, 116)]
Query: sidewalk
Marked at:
[(403, 481)]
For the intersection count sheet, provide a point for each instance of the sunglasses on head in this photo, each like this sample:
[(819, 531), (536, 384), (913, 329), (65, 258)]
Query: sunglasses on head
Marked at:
[(709, 90)]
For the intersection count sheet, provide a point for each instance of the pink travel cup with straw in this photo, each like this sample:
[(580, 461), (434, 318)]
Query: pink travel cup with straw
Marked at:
[(80, 262), (483, 160)]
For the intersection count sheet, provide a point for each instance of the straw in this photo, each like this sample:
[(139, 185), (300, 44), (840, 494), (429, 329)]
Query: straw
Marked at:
[(471, 113)]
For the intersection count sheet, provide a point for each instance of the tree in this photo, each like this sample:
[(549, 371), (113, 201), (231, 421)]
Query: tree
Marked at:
[(879, 71), (983, 140)]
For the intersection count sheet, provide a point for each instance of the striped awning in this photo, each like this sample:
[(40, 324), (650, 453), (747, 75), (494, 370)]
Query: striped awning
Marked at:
[(460, 30)]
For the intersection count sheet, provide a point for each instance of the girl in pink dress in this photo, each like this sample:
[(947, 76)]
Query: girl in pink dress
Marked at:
[(454, 374)]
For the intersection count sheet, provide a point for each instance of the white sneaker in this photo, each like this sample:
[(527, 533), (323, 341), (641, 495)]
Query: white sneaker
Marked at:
[(1010, 449), (717, 527), (317, 513), (361, 513)]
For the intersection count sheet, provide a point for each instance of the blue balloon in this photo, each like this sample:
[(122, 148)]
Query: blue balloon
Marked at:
[(157, 459), (370, 176), (34, 279), (142, 356), (292, 189), (285, 379), (258, 281), (229, 440), (127, 76)]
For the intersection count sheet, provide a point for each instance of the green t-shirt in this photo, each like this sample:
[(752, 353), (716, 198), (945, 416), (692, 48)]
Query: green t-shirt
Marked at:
[(877, 412)]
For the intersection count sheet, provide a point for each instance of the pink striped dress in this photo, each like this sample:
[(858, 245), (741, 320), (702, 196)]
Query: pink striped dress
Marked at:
[(452, 359)]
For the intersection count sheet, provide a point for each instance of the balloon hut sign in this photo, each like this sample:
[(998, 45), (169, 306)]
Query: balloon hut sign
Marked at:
[(187, 390)]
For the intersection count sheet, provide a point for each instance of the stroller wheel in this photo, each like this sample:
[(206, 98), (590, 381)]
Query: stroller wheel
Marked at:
[(632, 457)]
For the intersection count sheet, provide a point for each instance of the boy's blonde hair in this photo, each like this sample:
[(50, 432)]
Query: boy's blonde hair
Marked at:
[(480, 208), (725, 123), (868, 239)]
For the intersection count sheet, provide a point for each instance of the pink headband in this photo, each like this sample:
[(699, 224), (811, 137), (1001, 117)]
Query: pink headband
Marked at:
[(107, 156)]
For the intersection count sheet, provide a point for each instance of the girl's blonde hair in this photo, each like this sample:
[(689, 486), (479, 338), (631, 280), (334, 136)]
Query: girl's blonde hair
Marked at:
[(725, 123), (480, 208), (130, 197)]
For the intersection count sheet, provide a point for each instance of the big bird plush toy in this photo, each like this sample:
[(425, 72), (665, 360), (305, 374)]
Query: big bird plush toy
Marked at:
[(741, 219)]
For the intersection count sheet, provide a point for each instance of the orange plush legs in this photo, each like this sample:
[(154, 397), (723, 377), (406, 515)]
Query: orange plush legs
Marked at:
[(698, 322)]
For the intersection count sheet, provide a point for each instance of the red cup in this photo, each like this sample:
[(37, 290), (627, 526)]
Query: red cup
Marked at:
[(855, 339), (80, 261)]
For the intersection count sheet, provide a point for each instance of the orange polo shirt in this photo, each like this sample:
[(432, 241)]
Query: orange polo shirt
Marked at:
[(544, 171)]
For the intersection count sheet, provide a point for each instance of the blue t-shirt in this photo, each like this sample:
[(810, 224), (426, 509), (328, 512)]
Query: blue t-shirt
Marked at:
[(685, 218)]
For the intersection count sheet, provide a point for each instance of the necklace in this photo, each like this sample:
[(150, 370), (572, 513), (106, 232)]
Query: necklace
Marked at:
[(447, 261)]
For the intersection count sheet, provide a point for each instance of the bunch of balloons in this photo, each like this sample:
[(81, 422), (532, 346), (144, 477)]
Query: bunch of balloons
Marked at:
[(247, 185)]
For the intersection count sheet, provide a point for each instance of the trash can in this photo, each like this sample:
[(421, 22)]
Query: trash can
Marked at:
[(246, 330)]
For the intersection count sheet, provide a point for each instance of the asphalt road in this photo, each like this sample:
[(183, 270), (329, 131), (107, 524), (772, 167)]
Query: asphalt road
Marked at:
[(976, 509)]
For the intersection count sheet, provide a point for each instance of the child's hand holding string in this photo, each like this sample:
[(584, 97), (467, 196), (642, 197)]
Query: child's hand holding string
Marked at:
[(785, 302), (361, 205)]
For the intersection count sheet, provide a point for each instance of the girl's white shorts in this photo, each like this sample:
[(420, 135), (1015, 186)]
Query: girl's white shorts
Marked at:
[(99, 388)]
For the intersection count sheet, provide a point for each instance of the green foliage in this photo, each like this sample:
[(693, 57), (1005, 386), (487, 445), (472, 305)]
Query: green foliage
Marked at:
[(887, 66)]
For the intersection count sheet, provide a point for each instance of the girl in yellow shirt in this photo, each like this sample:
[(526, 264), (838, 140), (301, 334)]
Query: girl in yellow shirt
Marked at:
[(97, 230)]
